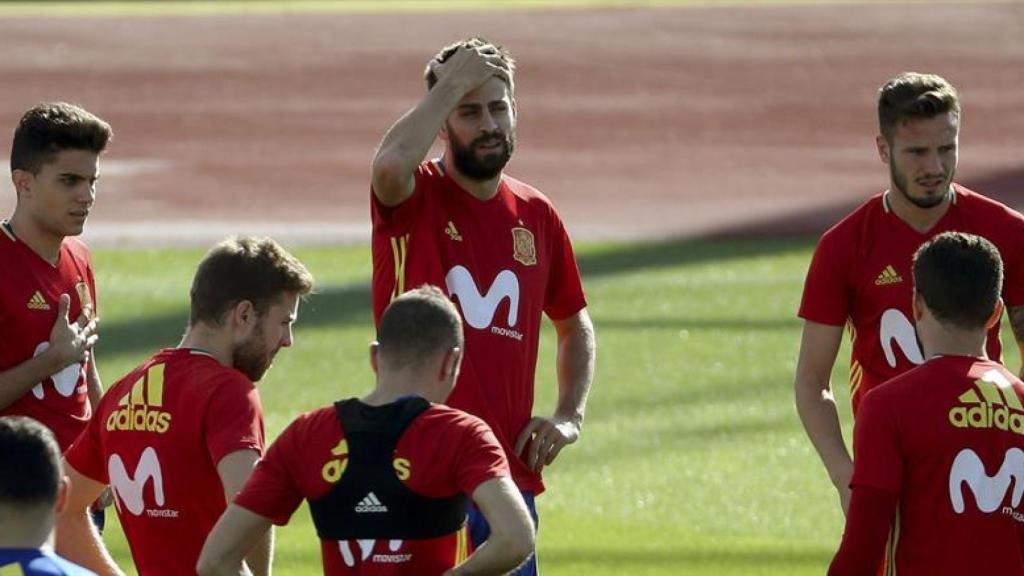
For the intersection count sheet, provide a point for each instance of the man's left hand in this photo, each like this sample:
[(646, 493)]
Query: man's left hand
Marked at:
[(543, 438)]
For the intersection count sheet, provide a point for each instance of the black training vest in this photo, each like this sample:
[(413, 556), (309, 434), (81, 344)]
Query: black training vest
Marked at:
[(369, 501)]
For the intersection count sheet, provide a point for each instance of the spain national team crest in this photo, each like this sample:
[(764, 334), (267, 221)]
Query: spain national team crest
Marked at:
[(85, 298), (524, 249)]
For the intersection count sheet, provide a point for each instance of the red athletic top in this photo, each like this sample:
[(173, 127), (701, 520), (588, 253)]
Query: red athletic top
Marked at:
[(947, 439), (29, 296), (157, 437), (504, 262), (443, 452), (861, 277)]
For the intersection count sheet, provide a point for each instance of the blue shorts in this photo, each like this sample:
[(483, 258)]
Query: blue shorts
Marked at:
[(479, 530)]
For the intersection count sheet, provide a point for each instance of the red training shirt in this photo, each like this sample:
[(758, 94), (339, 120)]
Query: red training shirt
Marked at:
[(443, 452), (946, 438), (504, 262), (29, 296), (861, 276), (157, 437)]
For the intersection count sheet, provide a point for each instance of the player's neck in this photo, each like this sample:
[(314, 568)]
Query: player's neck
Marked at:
[(30, 531), (392, 386), (43, 243), (954, 343), (918, 218), (481, 190), (209, 340)]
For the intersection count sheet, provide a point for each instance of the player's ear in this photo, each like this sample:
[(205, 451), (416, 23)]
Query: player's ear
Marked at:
[(62, 494), (884, 150), (374, 360), (997, 313), (22, 180), (919, 307), (243, 315), (450, 364)]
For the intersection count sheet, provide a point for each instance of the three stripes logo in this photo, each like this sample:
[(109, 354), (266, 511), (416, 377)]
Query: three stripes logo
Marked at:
[(37, 302), (452, 232), (370, 504), (888, 276), (991, 403), (140, 407)]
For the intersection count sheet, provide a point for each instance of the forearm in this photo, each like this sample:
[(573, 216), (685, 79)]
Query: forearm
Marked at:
[(498, 555), (79, 542), (408, 141), (1016, 316), (260, 557), (817, 409), (577, 354), (17, 381)]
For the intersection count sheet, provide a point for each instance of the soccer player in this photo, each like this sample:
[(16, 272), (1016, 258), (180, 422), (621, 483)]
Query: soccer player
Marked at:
[(496, 244), (179, 435), (386, 475), (47, 370), (860, 274), (924, 441), (29, 499)]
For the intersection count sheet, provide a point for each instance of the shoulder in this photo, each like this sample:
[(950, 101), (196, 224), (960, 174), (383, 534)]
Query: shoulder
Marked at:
[(313, 422), (76, 247), (848, 231), (429, 172), (993, 211), (444, 418)]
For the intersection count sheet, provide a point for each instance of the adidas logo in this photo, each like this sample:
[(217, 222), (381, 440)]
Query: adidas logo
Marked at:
[(991, 403), (452, 232), (888, 276), (37, 302), (370, 504), (139, 409)]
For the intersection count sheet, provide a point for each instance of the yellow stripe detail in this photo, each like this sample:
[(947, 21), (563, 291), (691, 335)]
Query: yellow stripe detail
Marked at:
[(856, 376), (461, 545), (137, 394), (399, 250), (155, 385)]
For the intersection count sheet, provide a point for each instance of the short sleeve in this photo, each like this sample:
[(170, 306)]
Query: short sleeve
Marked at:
[(1012, 252), (233, 418), (877, 448), (272, 491), (826, 297), (563, 296), (392, 220), (480, 457), (86, 453)]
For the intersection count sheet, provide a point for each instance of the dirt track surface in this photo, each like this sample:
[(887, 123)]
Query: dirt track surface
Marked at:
[(638, 123)]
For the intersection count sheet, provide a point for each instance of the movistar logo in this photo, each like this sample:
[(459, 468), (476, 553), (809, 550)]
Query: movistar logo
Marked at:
[(129, 488), (989, 491), (479, 309), (140, 408), (991, 403)]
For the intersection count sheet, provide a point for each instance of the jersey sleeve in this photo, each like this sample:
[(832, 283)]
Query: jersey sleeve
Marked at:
[(86, 453), (563, 296), (398, 219), (272, 491), (479, 457), (826, 297), (1012, 253), (878, 454), (233, 419)]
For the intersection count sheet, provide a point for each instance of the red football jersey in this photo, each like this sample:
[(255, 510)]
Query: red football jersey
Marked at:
[(443, 452), (29, 296), (157, 437), (504, 262), (948, 439), (861, 276)]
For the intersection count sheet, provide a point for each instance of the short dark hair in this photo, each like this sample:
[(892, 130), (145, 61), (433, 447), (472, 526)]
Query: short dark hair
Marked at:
[(418, 324), (240, 268), (30, 460), (912, 95), (50, 128), (960, 277), (474, 42)]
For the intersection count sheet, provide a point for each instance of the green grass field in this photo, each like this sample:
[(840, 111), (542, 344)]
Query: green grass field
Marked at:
[(692, 460)]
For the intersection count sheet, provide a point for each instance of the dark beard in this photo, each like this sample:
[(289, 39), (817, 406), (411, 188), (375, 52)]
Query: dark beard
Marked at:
[(251, 358), (899, 182), (481, 169)]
